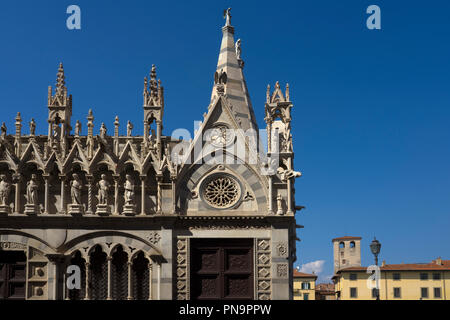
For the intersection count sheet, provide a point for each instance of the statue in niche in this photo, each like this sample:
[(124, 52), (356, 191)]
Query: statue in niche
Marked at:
[(32, 190), (32, 127), (103, 131), (77, 128), (5, 187), (238, 49), (56, 131), (152, 138), (75, 189), (103, 187), (280, 204), (129, 190), (129, 128)]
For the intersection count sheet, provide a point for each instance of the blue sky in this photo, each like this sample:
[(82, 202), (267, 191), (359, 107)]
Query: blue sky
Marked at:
[(371, 107)]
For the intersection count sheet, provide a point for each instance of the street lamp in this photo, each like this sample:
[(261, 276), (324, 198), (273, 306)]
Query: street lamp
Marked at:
[(375, 247)]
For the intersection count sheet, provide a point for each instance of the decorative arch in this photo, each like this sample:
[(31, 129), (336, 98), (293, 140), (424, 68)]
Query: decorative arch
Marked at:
[(108, 240)]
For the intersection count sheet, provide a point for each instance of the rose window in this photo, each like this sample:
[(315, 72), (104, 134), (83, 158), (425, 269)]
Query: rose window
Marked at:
[(221, 191)]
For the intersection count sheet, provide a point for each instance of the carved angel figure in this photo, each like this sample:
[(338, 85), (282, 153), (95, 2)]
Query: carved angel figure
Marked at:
[(103, 187), (129, 190), (75, 189), (32, 190), (4, 190)]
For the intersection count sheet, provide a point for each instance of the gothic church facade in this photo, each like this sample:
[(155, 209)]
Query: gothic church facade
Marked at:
[(143, 216)]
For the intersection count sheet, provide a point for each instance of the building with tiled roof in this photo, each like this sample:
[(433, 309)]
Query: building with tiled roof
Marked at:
[(304, 285), (405, 281)]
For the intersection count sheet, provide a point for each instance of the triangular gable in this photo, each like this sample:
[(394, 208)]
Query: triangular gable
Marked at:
[(8, 158), (76, 155), (104, 155), (220, 105), (51, 160), (32, 154), (130, 155)]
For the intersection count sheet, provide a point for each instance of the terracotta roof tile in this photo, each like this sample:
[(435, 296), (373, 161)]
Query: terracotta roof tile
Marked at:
[(346, 238), (298, 274), (407, 267)]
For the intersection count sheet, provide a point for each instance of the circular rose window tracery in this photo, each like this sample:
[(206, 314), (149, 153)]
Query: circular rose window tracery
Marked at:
[(221, 191)]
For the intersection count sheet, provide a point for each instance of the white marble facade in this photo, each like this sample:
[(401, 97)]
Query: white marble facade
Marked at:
[(124, 210)]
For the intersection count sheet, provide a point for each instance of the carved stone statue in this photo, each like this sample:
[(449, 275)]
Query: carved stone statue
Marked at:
[(56, 131), (32, 127), (129, 190), (227, 16), (238, 49), (280, 204), (3, 129), (5, 187), (103, 131), (103, 187), (75, 189), (77, 128), (152, 138), (32, 191), (129, 128)]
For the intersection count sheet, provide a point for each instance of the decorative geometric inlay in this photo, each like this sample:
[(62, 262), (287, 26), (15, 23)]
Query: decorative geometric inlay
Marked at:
[(282, 249), (282, 270), (154, 237), (264, 285), (180, 258), (221, 192), (263, 258), (181, 244), (264, 296), (181, 285), (180, 272), (263, 245), (263, 272)]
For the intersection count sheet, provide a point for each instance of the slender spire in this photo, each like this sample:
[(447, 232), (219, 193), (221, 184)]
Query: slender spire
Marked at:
[(153, 91), (229, 77), (60, 81)]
